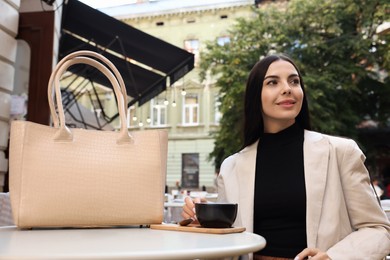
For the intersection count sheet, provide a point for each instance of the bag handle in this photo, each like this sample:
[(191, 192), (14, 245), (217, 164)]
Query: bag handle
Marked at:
[(71, 56), (64, 134)]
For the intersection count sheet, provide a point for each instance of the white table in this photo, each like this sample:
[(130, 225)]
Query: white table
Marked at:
[(122, 243)]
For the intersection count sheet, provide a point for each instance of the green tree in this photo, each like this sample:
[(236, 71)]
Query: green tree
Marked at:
[(343, 60)]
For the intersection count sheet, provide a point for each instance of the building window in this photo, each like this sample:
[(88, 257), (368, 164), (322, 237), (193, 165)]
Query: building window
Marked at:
[(217, 111), (223, 40), (191, 109), (97, 106), (192, 45), (158, 112), (190, 170), (191, 20), (131, 117)]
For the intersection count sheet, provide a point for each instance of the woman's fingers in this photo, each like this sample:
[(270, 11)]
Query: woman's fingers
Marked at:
[(313, 253), (188, 208), (196, 200)]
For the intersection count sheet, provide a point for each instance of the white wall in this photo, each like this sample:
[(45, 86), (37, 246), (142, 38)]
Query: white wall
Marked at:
[(9, 21), (30, 6)]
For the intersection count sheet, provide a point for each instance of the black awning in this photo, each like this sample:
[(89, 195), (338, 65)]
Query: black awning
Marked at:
[(86, 28), (137, 78)]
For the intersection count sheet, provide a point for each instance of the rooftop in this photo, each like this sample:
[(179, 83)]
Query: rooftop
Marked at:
[(132, 9)]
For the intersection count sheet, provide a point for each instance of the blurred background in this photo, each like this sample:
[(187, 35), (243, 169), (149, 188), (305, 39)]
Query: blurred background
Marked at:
[(185, 64)]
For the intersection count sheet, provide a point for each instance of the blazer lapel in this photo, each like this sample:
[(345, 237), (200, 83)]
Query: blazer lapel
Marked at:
[(246, 180), (316, 158)]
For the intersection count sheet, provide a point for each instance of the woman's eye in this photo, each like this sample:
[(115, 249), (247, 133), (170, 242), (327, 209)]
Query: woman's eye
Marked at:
[(295, 82), (272, 82)]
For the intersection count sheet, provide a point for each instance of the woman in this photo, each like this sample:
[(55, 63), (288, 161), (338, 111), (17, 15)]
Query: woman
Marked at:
[(308, 194)]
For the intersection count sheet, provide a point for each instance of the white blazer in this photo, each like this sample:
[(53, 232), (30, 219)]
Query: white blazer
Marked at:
[(343, 216)]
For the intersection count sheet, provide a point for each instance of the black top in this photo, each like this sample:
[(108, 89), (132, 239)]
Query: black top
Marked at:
[(280, 196)]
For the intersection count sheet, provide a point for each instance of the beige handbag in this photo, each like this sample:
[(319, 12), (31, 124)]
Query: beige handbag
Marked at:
[(62, 177)]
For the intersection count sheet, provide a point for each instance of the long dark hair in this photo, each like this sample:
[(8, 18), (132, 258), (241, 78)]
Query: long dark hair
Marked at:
[(253, 121)]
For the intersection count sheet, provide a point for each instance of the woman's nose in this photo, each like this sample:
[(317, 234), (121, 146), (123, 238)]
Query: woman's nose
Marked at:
[(286, 89)]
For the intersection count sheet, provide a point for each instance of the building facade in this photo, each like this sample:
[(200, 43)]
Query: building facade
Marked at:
[(189, 109), (8, 31), (16, 94)]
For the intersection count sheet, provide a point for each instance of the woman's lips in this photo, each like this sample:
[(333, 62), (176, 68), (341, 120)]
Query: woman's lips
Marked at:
[(286, 103)]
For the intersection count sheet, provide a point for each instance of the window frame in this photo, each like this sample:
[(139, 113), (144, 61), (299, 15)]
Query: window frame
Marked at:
[(162, 119), (192, 108)]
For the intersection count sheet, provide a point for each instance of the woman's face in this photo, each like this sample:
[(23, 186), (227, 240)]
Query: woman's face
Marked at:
[(281, 96)]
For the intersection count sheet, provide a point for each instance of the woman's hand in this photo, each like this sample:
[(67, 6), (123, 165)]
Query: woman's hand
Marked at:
[(313, 253), (189, 208)]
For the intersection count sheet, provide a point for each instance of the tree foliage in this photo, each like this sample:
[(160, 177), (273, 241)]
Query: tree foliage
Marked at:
[(343, 60)]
